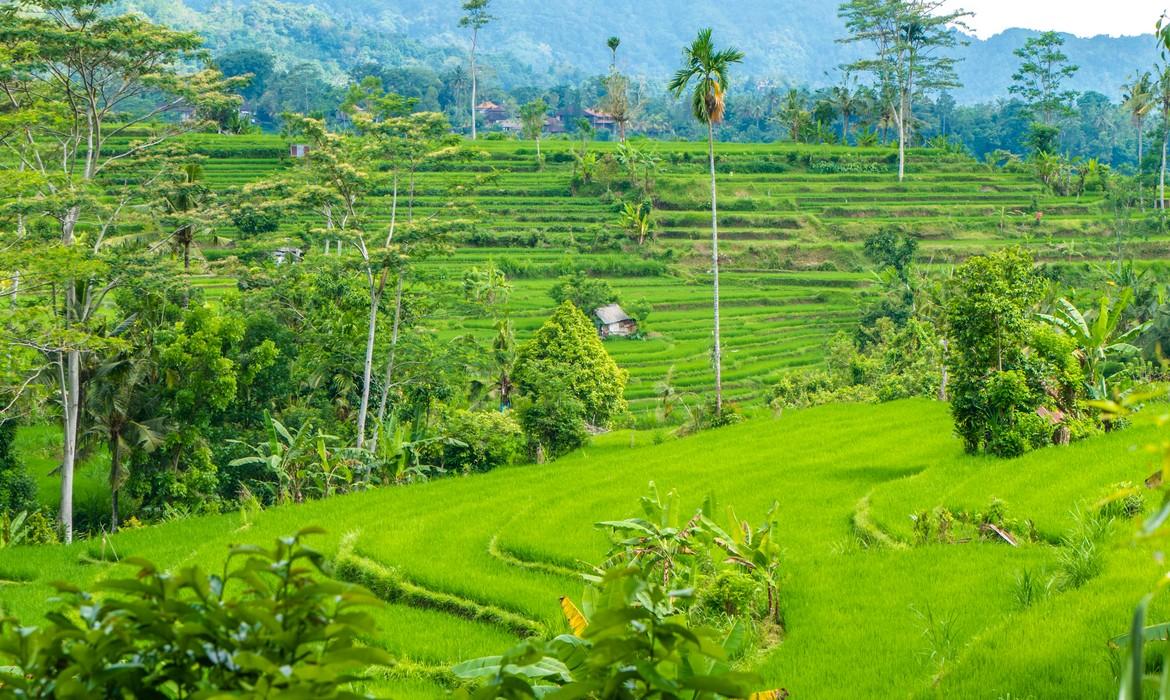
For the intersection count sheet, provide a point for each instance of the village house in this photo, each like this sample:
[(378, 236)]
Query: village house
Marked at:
[(612, 320), (600, 120), (490, 113), (298, 150)]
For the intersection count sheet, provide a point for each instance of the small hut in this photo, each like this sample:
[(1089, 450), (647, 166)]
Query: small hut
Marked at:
[(613, 320), (298, 150), (281, 256)]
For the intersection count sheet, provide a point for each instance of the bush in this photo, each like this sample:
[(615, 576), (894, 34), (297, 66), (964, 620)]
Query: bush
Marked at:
[(554, 422), (275, 626), (251, 221), (485, 440), (566, 358), (18, 491)]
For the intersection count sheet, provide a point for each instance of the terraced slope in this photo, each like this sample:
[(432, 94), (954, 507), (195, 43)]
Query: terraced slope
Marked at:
[(792, 222), (472, 563)]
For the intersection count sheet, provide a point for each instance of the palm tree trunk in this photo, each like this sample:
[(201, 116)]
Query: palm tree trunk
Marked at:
[(186, 271), (1162, 177), (474, 39), (718, 354), (115, 479), (1141, 191)]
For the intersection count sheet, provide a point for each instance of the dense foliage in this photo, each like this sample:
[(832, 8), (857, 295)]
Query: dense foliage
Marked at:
[(271, 624)]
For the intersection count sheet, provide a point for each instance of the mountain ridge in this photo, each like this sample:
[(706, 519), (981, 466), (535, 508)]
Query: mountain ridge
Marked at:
[(556, 41)]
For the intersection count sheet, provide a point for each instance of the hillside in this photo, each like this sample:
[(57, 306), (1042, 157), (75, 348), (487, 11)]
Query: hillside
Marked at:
[(792, 225), (786, 41), (855, 613)]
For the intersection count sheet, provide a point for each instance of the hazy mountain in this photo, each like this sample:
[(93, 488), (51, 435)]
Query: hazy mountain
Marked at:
[(786, 41)]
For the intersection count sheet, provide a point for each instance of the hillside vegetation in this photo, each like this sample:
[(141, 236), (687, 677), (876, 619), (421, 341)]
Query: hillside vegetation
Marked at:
[(793, 219)]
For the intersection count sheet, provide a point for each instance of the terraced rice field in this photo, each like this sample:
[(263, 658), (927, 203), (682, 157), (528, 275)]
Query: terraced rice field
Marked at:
[(472, 564), (791, 230)]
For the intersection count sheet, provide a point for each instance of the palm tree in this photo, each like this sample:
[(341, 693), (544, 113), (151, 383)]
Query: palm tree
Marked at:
[(613, 43), (475, 17), (846, 101), (118, 412), (1163, 98), (794, 114), (1138, 100), (706, 69), (184, 200)]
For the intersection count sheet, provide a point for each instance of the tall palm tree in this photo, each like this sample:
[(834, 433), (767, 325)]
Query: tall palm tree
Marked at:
[(1162, 94), (119, 412), (184, 203), (475, 17), (1138, 100), (846, 100), (706, 69), (613, 43)]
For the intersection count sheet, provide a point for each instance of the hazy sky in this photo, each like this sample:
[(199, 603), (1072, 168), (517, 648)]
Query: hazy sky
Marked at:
[(1080, 17)]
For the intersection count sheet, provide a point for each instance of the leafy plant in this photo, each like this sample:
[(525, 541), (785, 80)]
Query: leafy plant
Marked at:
[(271, 624)]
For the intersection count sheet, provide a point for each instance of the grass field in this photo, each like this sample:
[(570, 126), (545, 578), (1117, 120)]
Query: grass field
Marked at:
[(858, 618)]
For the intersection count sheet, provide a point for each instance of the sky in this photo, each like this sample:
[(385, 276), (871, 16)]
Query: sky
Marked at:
[(1080, 17)]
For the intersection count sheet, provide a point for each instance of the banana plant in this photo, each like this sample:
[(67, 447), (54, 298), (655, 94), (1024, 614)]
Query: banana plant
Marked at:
[(1100, 339), (287, 456)]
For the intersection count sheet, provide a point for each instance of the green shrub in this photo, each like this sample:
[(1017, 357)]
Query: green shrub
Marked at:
[(483, 440), (18, 491), (274, 626), (553, 421)]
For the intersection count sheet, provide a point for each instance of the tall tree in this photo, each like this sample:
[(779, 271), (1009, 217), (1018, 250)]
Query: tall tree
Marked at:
[(1138, 101), (1040, 79), (617, 102), (73, 69), (613, 43), (907, 37), (533, 115), (1162, 94), (475, 17), (846, 99), (794, 114), (705, 72)]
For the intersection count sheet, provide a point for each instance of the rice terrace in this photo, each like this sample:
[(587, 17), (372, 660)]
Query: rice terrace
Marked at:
[(403, 349)]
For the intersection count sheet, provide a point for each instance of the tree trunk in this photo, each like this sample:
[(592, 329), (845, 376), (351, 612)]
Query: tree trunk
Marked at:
[(943, 394), (718, 355), (1162, 176), (393, 211), (70, 404), (902, 140), (845, 128), (382, 404), (1141, 190), (474, 38), (115, 479), (368, 367), (186, 270)]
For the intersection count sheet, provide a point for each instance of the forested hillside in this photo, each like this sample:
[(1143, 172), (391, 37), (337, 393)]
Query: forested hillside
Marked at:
[(788, 42)]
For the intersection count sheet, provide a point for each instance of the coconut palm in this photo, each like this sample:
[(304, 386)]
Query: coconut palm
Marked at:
[(1138, 101), (1162, 96), (613, 43), (705, 71), (846, 99), (119, 414)]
